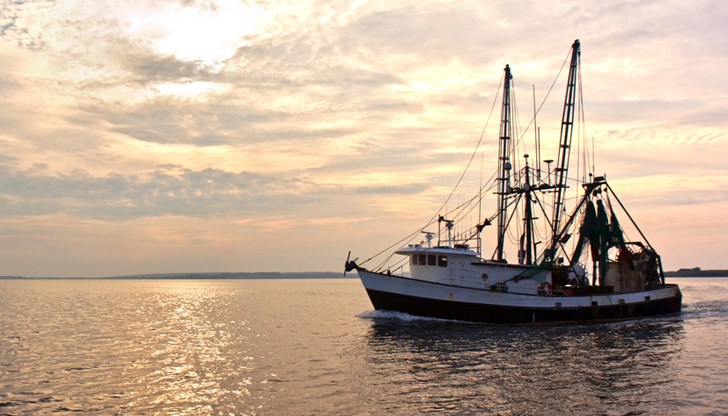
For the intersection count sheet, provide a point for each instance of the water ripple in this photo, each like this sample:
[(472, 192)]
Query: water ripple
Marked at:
[(315, 347)]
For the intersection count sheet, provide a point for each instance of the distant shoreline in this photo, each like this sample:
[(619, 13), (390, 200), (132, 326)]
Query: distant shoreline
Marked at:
[(697, 273), (198, 276), (292, 275)]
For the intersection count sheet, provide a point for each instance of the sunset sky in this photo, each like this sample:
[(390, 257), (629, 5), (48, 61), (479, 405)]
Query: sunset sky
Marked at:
[(200, 136)]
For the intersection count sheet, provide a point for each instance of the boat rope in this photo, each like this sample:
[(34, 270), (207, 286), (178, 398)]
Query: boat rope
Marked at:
[(457, 184), (519, 137), (475, 151), (519, 134), (563, 65), (461, 210)]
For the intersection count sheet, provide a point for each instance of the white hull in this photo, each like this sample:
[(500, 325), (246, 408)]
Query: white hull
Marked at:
[(548, 284), (450, 301)]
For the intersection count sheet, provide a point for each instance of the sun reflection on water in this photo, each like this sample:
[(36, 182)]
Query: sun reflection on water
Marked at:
[(315, 347), (192, 360)]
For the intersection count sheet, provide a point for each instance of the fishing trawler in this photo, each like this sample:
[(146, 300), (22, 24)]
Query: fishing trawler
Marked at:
[(597, 275)]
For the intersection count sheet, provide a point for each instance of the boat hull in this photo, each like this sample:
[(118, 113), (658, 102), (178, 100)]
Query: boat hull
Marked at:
[(422, 298)]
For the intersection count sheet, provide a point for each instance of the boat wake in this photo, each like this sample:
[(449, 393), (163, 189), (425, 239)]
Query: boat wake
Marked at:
[(384, 315), (448, 277), (706, 309)]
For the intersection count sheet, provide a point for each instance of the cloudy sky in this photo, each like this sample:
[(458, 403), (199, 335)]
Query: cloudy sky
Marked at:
[(225, 135)]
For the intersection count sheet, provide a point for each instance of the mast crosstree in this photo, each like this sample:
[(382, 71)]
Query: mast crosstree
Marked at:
[(549, 283)]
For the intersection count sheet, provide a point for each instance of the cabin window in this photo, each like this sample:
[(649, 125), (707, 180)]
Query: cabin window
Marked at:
[(431, 260), (413, 260), (442, 261), (422, 259)]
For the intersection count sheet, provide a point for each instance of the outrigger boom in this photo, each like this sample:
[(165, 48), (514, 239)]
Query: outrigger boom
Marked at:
[(451, 280)]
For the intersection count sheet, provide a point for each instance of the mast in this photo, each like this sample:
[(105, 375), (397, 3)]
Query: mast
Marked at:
[(504, 164), (529, 243), (567, 127), (536, 133)]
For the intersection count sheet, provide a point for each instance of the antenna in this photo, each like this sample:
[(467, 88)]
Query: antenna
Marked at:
[(428, 236), (536, 133), (548, 163), (448, 224)]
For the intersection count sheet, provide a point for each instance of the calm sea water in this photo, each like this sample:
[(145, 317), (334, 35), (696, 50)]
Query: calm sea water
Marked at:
[(305, 347)]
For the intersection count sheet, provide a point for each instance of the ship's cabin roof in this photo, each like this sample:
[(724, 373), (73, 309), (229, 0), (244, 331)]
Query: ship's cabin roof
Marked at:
[(457, 249)]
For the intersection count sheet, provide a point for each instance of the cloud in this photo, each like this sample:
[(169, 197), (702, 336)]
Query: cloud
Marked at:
[(174, 190), (168, 190), (335, 114)]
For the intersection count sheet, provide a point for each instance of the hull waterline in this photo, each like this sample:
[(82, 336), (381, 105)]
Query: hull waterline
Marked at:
[(444, 301), (546, 281)]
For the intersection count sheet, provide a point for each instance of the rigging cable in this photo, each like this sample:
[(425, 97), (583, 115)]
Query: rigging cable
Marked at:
[(467, 167), (548, 92)]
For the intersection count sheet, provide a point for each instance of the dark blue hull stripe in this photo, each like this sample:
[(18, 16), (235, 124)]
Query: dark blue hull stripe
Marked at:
[(506, 315)]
